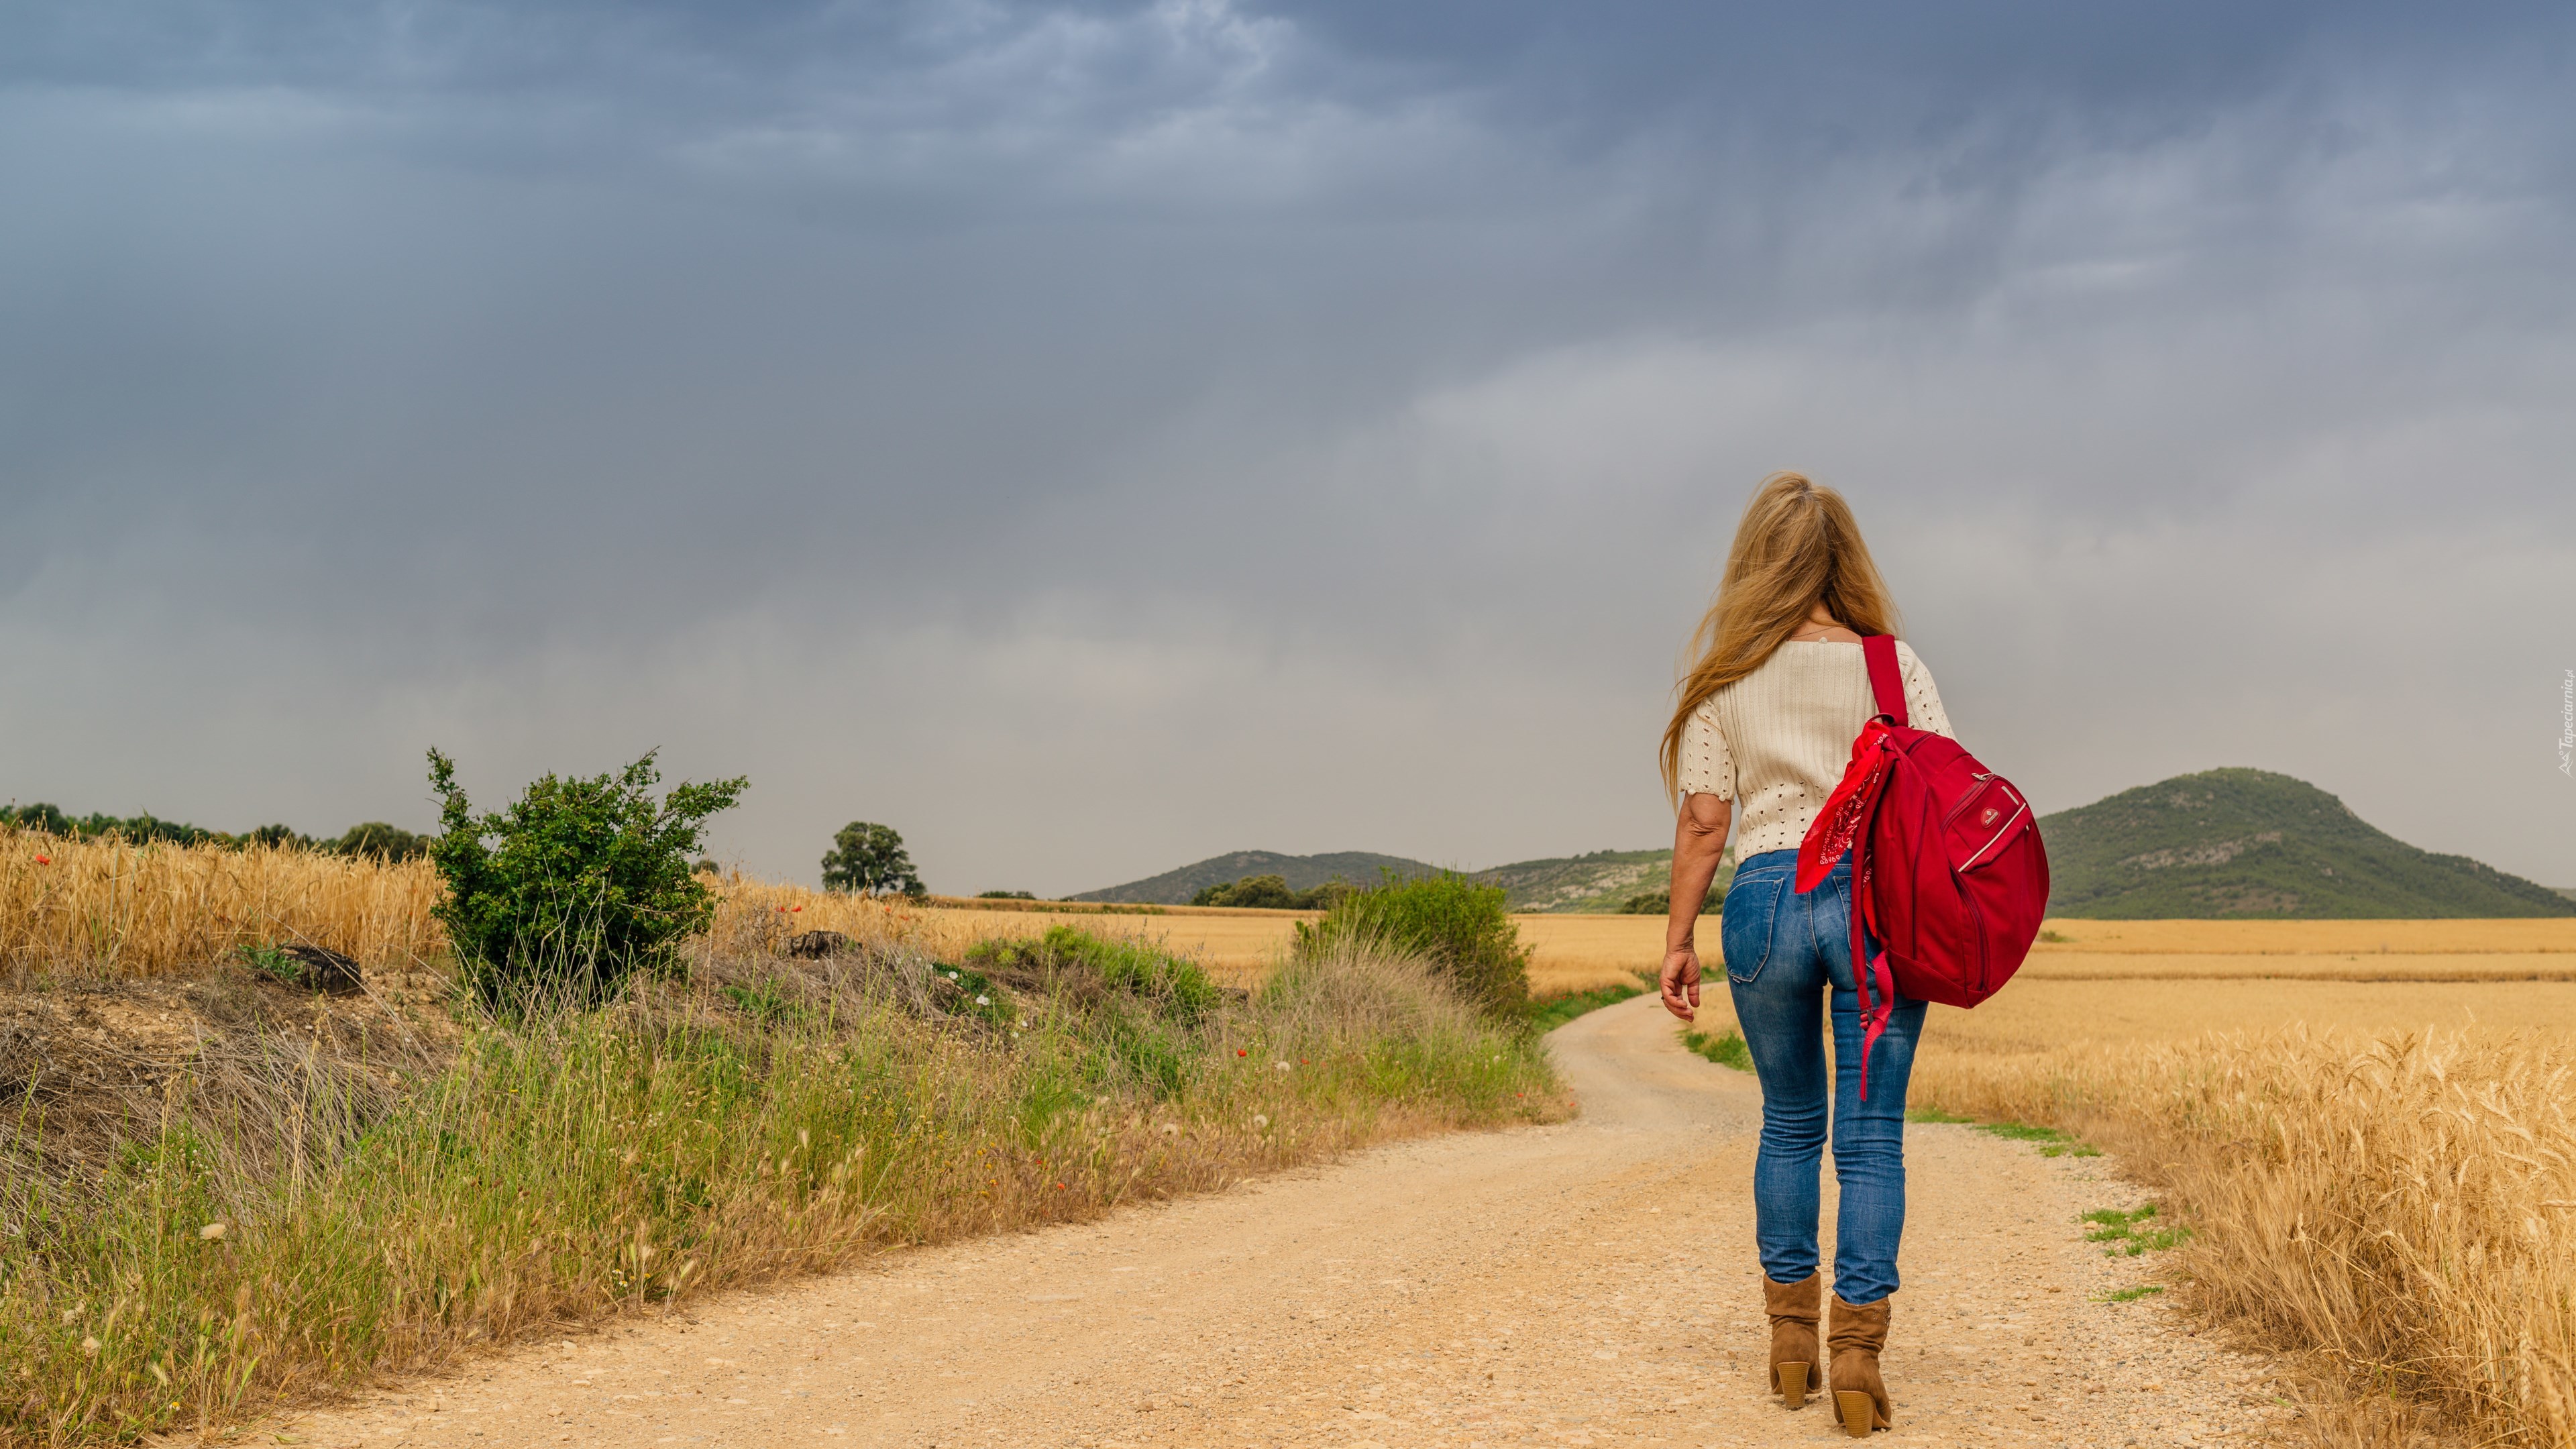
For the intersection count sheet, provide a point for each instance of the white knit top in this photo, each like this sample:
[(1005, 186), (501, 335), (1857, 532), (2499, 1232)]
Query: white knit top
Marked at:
[(1776, 741)]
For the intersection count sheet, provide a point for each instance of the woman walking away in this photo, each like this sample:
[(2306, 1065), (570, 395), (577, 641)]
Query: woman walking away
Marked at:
[(1764, 726)]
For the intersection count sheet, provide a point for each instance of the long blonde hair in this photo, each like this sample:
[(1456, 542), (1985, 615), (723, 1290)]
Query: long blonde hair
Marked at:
[(1797, 547)]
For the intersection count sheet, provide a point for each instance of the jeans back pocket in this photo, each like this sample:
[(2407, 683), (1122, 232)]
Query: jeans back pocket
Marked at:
[(1749, 919)]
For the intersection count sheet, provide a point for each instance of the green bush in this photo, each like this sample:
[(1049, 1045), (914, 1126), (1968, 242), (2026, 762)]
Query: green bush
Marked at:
[(1146, 1010), (1657, 903), (374, 838), (1173, 982), (137, 829), (1271, 892), (381, 841), (576, 886), (1460, 927), (1005, 896)]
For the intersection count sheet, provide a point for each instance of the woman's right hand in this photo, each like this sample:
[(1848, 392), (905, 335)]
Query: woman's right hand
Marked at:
[(1681, 982)]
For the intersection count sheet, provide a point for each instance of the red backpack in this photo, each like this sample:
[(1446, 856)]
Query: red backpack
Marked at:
[(1948, 875)]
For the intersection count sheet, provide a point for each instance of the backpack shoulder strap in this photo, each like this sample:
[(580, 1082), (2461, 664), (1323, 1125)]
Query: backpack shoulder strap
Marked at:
[(1884, 680)]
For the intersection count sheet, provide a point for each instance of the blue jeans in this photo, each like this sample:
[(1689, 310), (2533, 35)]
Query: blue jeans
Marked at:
[(1786, 954)]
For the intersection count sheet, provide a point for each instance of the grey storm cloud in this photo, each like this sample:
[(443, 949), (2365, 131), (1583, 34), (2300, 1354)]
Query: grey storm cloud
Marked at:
[(1090, 437)]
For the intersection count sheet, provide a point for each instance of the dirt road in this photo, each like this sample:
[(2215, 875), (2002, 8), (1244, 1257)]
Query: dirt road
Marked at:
[(1590, 1283)]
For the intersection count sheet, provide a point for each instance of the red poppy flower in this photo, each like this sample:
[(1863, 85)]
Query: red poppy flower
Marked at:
[(795, 908), (44, 860), (1241, 1052)]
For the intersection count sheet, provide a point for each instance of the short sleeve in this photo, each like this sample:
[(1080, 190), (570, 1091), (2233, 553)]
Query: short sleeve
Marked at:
[(1922, 701), (1707, 767)]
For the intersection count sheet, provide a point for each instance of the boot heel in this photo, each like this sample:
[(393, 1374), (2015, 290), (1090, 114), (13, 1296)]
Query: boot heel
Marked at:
[(1793, 1384), (1859, 1413)]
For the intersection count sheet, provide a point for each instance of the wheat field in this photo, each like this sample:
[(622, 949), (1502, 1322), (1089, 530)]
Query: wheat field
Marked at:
[(2369, 1137), (2390, 1206), (2365, 1121), (1238, 947), (111, 908)]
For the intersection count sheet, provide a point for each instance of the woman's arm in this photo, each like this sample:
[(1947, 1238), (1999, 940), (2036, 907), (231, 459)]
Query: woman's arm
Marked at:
[(1699, 838)]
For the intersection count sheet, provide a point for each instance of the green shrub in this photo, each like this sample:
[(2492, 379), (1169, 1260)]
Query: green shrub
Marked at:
[(374, 838), (576, 886), (136, 829), (764, 1003), (380, 841), (268, 960), (1005, 896), (1460, 927), (1659, 902), (1145, 1011), (1271, 893), (870, 859), (1146, 972)]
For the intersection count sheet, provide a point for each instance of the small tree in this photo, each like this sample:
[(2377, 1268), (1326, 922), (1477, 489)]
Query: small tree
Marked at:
[(1271, 893), (869, 859), (1260, 891), (574, 887), (381, 841)]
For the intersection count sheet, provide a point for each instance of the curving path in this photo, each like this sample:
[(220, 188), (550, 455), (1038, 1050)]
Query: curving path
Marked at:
[(1589, 1283)]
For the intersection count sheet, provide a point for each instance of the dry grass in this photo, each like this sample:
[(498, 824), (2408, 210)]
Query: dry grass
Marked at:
[(283, 1221), (1581, 952), (2039, 1014), (112, 909), (109, 908), (1237, 947), (2065, 965), (2365, 1121), (2394, 1208), (2305, 938)]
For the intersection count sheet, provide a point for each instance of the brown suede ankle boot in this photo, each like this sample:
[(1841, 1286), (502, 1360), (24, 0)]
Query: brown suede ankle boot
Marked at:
[(1793, 1309), (1860, 1396)]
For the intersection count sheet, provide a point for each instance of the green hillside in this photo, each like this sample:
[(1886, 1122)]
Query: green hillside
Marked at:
[(2252, 843), (1303, 873), (1601, 881)]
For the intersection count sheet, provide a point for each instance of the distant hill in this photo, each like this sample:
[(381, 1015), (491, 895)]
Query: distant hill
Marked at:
[(1601, 881), (2219, 843), (2252, 843), (1303, 873)]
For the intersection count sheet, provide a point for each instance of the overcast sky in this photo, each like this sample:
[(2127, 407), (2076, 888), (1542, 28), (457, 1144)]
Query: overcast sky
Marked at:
[(1092, 437)]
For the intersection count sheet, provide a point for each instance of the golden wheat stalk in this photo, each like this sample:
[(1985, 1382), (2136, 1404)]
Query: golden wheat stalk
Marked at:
[(110, 907), (2402, 1206)]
